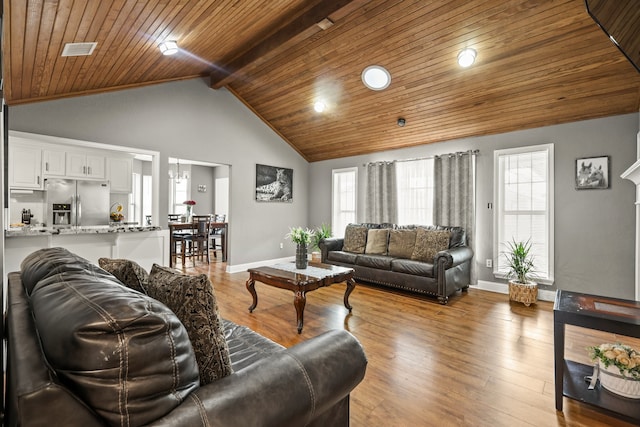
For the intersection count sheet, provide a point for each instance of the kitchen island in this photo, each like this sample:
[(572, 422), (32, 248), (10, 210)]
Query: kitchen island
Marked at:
[(145, 245)]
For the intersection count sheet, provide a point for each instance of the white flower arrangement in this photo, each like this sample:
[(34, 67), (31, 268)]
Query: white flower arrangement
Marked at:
[(625, 358)]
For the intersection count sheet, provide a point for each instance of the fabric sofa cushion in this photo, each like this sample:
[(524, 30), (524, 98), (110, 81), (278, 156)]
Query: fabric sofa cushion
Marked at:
[(429, 243), (128, 272), (131, 359), (410, 266), (377, 241), (355, 239), (192, 299), (401, 243)]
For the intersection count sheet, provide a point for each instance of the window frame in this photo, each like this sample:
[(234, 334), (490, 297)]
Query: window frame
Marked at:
[(334, 173), (499, 207)]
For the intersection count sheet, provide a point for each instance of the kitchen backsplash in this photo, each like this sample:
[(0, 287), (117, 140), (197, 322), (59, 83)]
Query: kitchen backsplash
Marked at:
[(36, 202)]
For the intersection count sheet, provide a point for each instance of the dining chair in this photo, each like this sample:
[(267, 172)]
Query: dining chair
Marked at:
[(199, 240), (181, 244), (216, 233), (174, 217)]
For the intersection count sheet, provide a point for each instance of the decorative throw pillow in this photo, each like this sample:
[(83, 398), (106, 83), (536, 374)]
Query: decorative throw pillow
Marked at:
[(128, 272), (401, 243), (377, 240), (355, 239), (429, 243), (193, 301)]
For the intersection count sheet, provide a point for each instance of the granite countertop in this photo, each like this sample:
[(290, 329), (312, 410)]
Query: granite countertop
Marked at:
[(105, 229)]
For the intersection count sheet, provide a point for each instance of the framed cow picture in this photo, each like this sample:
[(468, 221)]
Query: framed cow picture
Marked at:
[(592, 173), (274, 184)]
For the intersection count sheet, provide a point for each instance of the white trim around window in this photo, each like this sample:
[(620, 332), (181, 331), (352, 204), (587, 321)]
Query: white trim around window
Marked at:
[(344, 199), (524, 193)]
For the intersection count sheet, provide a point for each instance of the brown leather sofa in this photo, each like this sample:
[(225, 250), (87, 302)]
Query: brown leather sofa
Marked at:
[(448, 273), (306, 385)]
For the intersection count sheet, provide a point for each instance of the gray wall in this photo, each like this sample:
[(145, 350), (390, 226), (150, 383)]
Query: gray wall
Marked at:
[(188, 120), (594, 229), (204, 200)]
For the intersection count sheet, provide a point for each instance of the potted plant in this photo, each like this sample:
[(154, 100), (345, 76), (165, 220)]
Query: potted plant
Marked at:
[(322, 232), (520, 273), (301, 237)]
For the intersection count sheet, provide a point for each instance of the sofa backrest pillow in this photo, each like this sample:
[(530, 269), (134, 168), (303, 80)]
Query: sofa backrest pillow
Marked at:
[(401, 243), (48, 262), (192, 299), (429, 243), (128, 272), (123, 353), (355, 239), (377, 241)]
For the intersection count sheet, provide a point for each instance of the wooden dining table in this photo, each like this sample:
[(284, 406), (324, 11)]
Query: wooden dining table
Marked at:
[(174, 226)]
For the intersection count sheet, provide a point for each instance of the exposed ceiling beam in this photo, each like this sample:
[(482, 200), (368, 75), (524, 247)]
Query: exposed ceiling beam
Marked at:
[(298, 29)]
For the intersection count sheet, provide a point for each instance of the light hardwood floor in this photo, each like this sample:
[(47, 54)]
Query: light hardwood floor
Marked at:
[(479, 361)]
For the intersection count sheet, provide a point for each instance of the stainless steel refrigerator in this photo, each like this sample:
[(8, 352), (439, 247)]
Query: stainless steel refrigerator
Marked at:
[(87, 202)]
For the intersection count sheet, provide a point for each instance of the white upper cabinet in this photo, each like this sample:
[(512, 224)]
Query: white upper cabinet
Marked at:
[(54, 163), (25, 167), (83, 165), (120, 173)]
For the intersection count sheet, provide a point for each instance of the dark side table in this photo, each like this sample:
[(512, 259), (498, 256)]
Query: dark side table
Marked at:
[(603, 314)]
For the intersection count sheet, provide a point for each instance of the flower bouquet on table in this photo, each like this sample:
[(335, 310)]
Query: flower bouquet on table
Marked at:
[(302, 237), (189, 204), (618, 368)]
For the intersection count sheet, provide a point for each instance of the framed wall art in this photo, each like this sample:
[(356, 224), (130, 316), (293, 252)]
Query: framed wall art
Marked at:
[(274, 184), (592, 173)]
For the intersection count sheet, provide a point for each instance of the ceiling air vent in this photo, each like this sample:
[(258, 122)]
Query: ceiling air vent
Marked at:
[(78, 49)]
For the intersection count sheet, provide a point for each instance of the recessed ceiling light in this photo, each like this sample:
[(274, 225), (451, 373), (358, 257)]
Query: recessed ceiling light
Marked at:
[(467, 57), (319, 106), (376, 77), (168, 47)]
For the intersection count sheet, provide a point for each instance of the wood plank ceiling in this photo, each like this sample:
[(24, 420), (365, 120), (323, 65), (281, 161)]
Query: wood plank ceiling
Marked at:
[(540, 62)]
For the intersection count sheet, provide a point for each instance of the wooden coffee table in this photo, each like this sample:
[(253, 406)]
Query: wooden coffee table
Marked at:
[(286, 276)]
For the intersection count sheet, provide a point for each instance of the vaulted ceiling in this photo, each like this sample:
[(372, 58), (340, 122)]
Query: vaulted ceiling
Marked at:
[(539, 62)]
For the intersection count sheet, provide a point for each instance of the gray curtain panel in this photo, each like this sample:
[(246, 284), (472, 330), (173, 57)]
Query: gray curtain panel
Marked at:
[(454, 204), (381, 203)]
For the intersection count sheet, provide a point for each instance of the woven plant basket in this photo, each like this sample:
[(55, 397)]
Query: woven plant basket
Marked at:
[(612, 380), (524, 293)]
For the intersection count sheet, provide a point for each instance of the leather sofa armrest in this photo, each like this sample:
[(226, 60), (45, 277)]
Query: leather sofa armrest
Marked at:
[(453, 256), (291, 387), (330, 244)]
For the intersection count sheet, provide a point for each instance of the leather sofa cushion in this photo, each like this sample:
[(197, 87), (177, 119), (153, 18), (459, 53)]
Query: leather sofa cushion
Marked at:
[(429, 243), (343, 257), (409, 266), (380, 262), (377, 241), (401, 243), (128, 272), (124, 354), (246, 347), (192, 299), (355, 239)]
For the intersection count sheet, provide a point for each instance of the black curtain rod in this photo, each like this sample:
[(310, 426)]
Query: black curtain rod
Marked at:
[(457, 153)]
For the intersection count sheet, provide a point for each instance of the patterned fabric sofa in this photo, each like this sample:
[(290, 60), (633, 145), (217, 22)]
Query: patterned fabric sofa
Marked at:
[(432, 260), (85, 349)]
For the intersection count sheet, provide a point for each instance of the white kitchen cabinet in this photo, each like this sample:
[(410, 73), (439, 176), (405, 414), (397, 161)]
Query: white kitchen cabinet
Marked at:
[(54, 163), (119, 174), (25, 167), (84, 165)]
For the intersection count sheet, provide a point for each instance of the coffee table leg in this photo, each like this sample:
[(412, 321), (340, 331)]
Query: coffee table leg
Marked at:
[(351, 285), (299, 302), (251, 287)]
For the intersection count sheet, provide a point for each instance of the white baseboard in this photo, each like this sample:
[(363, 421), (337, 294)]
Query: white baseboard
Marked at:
[(244, 267), (503, 288)]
